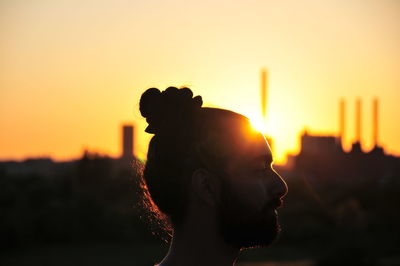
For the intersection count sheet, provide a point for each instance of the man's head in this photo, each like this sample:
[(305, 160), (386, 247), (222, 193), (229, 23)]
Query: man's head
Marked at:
[(249, 190), (211, 157)]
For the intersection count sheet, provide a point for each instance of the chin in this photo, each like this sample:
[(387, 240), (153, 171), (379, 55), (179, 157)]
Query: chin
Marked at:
[(253, 233)]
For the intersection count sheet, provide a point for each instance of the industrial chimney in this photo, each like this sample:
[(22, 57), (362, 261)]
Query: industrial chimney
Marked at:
[(375, 106), (342, 121), (356, 147), (358, 121), (127, 141), (264, 94)]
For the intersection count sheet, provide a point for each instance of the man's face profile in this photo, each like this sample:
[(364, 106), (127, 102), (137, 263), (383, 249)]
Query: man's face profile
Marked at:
[(219, 192), (250, 194)]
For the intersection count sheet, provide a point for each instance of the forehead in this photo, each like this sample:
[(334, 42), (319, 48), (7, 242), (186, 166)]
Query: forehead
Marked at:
[(246, 146)]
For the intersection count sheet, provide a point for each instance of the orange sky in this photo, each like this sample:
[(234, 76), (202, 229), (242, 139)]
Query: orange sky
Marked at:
[(72, 71)]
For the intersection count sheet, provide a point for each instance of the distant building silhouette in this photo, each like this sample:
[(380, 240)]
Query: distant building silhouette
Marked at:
[(322, 158), (314, 145)]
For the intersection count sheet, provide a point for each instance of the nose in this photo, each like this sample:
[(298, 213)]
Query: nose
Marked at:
[(280, 186)]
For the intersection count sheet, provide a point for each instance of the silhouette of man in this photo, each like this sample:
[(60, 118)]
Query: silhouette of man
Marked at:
[(229, 195)]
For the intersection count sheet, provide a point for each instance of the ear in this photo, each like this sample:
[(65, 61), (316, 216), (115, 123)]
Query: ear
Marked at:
[(205, 186)]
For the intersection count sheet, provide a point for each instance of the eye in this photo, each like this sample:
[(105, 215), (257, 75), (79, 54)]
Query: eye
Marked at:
[(268, 165)]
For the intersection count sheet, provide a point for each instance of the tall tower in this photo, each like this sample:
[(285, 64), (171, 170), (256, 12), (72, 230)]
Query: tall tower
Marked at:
[(263, 87), (342, 121), (358, 121), (356, 147), (264, 96), (127, 141), (375, 106)]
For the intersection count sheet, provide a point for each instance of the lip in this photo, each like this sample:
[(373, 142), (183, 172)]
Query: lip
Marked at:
[(276, 204), (272, 207)]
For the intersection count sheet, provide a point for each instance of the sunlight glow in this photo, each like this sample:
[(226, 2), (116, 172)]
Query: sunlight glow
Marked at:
[(258, 124)]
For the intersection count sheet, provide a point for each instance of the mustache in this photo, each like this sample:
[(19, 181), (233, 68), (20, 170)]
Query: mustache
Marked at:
[(273, 204)]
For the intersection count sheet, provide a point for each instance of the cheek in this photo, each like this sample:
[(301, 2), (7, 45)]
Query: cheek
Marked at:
[(250, 195)]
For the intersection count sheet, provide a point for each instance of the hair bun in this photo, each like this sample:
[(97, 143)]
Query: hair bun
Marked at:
[(169, 108)]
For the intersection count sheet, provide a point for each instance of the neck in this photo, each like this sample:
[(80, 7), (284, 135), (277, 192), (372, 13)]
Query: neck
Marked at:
[(198, 243)]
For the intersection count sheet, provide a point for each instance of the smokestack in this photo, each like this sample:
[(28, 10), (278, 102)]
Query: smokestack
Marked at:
[(375, 106), (264, 94), (127, 141), (342, 120), (358, 121)]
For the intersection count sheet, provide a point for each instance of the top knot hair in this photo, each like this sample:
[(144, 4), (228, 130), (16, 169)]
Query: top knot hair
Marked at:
[(169, 108)]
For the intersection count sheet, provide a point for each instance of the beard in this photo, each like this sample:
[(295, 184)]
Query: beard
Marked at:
[(244, 228)]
